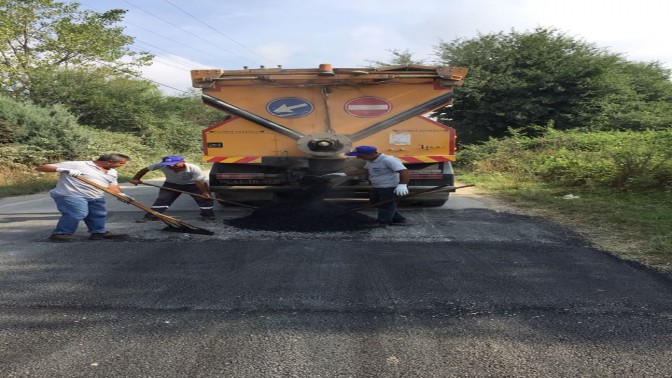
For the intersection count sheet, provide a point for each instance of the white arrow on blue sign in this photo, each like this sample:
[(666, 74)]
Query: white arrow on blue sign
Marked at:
[(289, 107)]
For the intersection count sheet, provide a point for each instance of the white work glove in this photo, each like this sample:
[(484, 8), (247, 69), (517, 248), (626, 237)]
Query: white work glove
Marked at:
[(69, 172), (401, 190), (126, 199), (336, 174)]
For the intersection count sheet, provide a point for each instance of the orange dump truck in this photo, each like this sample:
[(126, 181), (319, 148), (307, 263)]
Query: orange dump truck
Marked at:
[(288, 124)]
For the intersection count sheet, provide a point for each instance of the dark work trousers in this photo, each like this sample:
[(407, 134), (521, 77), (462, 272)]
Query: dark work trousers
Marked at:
[(167, 197), (387, 212)]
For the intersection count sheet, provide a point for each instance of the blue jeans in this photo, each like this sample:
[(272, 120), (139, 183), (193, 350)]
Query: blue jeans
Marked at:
[(75, 209), (387, 212)]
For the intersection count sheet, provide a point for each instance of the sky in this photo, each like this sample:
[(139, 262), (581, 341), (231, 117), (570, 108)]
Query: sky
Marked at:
[(232, 34)]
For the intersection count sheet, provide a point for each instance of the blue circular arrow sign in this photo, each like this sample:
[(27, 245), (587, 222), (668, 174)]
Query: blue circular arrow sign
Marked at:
[(289, 107)]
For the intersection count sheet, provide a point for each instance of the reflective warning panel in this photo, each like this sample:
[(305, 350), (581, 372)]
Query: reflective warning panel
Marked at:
[(289, 107), (368, 107)]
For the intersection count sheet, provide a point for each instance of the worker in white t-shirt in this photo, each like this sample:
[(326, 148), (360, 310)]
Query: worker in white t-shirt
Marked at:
[(78, 201)]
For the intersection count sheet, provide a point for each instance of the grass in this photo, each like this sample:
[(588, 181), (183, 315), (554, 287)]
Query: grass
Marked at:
[(633, 225), (19, 180)]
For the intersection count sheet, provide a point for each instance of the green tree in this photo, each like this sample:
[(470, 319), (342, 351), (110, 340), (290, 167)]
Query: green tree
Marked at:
[(398, 58), (544, 77), (128, 105), (116, 103), (42, 34), (190, 108), (113, 103), (642, 100)]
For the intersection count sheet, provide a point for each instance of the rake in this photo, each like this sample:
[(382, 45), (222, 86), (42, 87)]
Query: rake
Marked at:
[(427, 191), (198, 195), (174, 224)]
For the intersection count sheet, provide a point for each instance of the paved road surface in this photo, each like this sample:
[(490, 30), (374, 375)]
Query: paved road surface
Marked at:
[(466, 290)]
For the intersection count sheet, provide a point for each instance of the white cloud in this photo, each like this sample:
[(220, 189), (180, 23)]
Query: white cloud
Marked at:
[(637, 30), (172, 73), (351, 33)]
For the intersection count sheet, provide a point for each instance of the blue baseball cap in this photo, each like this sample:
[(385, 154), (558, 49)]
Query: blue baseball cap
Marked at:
[(171, 160), (362, 150)]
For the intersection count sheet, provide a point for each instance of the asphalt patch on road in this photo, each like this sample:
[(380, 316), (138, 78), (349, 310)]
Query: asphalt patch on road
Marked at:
[(302, 216)]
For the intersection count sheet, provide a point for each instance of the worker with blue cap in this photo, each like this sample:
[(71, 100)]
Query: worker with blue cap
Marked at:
[(389, 178), (180, 177)]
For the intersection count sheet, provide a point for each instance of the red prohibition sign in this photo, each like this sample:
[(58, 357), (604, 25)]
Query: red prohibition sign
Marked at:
[(368, 107)]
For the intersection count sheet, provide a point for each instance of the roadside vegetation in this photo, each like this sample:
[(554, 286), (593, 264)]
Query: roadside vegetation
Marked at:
[(31, 135), (613, 187), (70, 89)]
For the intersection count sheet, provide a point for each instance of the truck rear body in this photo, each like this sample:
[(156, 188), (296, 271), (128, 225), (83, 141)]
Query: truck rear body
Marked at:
[(288, 124)]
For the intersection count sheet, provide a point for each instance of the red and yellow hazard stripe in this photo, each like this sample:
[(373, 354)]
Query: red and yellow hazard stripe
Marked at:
[(426, 159), (257, 159), (232, 159)]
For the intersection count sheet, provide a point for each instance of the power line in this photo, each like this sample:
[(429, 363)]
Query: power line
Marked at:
[(135, 75), (178, 42), (186, 31), (136, 39), (177, 59), (217, 31), (164, 59), (130, 73)]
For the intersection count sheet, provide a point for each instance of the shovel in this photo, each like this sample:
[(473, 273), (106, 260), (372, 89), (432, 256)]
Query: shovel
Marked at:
[(426, 191)]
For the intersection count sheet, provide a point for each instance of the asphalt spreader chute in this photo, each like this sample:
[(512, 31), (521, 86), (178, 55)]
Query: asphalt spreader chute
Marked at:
[(306, 211), (303, 210)]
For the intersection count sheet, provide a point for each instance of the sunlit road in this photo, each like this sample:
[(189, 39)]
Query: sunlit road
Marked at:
[(466, 290)]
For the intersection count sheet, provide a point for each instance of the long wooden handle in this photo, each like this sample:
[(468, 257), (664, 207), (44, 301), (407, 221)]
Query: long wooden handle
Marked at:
[(197, 195), (426, 191), (123, 198)]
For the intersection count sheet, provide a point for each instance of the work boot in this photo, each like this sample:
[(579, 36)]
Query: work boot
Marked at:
[(398, 222), (107, 235), (61, 238)]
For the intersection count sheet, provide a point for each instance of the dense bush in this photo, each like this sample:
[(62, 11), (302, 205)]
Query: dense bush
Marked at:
[(126, 105), (31, 134), (617, 159)]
